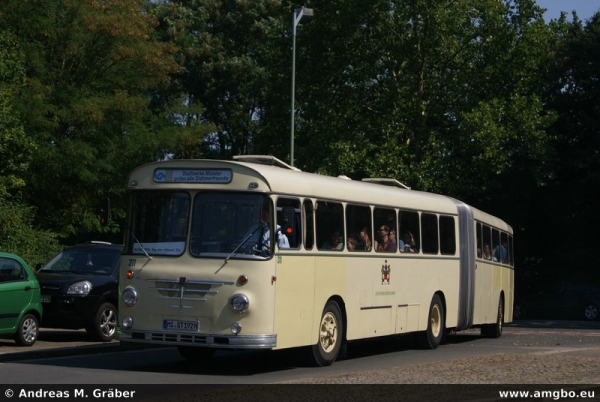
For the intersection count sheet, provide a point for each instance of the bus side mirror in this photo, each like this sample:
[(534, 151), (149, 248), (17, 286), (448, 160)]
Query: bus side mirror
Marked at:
[(105, 211)]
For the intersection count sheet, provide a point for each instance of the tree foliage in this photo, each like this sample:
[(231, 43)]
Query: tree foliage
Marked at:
[(478, 99)]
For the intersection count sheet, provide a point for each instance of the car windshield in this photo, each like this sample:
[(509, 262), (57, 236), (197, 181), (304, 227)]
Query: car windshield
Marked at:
[(86, 260)]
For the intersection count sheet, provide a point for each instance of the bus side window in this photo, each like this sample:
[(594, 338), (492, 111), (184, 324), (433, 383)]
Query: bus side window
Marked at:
[(289, 220), (447, 235), (429, 226), (478, 240), (309, 224), (410, 232), (358, 228), (330, 225)]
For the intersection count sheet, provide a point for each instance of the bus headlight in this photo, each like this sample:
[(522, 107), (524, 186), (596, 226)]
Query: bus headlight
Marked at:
[(80, 288), (238, 303), (129, 297)]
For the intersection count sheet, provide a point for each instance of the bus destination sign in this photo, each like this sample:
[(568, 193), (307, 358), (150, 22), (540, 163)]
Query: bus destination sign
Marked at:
[(221, 176)]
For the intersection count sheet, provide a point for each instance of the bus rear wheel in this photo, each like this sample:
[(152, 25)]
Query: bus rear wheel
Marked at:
[(326, 351), (432, 337), (495, 330), (195, 353)]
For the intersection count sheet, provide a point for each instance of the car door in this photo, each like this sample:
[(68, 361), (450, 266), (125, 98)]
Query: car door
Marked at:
[(15, 292)]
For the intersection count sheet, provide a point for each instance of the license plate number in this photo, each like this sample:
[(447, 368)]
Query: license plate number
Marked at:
[(180, 325), (45, 298)]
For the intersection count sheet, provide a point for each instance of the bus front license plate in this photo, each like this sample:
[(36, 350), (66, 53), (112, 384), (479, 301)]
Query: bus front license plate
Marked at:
[(180, 325)]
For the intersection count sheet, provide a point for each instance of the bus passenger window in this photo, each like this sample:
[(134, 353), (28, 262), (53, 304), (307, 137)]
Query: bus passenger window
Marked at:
[(330, 224), (478, 240), (487, 240), (410, 232), (309, 224), (385, 239), (358, 226), (447, 235), (430, 233), (289, 223)]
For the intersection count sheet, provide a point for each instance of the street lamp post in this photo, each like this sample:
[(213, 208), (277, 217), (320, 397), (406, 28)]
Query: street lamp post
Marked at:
[(298, 16)]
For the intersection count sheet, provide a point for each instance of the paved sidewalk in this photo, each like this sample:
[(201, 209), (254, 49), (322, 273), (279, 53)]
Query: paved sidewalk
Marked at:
[(55, 343)]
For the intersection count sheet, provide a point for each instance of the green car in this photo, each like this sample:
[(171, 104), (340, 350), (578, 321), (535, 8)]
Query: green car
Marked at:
[(20, 306)]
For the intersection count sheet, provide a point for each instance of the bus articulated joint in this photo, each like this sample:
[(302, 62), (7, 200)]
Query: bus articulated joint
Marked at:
[(266, 341)]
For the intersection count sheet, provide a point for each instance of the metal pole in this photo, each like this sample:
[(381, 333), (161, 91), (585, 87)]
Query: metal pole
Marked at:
[(294, 23), (295, 19)]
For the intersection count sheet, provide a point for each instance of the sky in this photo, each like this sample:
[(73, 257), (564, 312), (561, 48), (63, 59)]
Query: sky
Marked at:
[(585, 8)]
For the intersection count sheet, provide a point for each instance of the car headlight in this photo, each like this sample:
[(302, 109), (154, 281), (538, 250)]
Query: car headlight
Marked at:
[(239, 303), (80, 288), (129, 297)]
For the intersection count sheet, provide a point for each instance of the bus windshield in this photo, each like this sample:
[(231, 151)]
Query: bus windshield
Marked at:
[(221, 223), (226, 222)]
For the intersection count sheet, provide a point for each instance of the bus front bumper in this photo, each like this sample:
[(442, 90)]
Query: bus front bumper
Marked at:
[(221, 341)]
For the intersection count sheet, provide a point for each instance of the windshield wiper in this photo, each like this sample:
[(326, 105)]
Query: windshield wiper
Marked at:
[(242, 243)]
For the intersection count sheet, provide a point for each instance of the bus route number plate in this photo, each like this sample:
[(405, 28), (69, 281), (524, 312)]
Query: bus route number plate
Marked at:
[(180, 325)]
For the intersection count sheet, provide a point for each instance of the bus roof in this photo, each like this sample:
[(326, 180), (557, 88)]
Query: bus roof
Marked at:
[(286, 180)]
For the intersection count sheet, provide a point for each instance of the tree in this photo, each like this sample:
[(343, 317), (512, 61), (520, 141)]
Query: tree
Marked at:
[(17, 234), (90, 68), (440, 95), (230, 51)]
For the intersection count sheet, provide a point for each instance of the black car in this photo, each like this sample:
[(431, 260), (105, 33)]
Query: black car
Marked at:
[(79, 288), (564, 300)]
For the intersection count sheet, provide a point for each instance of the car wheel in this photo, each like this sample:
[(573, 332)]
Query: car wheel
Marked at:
[(104, 324), (591, 312), (27, 331)]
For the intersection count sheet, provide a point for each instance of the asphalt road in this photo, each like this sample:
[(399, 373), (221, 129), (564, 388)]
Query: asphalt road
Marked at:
[(70, 357)]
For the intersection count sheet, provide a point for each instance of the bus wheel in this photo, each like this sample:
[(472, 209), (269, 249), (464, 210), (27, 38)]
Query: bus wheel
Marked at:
[(495, 330), (330, 335), (195, 353), (432, 337)]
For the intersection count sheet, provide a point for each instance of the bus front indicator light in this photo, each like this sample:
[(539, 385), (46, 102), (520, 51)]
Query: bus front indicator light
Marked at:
[(127, 322), (236, 328), (239, 303)]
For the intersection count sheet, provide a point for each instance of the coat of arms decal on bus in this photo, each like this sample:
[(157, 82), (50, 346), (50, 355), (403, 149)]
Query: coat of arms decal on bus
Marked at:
[(385, 273)]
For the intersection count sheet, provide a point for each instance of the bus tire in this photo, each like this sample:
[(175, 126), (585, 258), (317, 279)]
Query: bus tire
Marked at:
[(495, 330), (329, 342), (432, 337), (195, 353)]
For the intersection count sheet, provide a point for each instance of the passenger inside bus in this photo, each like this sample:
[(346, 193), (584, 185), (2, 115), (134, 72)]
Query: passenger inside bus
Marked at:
[(384, 243), (351, 244), (364, 241), (409, 243), (487, 254), (336, 243)]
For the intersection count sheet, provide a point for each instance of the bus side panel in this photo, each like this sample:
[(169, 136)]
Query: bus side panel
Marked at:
[(294, 300), (330, 280), (405, 278), (484, 307)]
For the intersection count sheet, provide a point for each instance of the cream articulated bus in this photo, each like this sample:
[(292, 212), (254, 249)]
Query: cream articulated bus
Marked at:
[(255, 254)]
